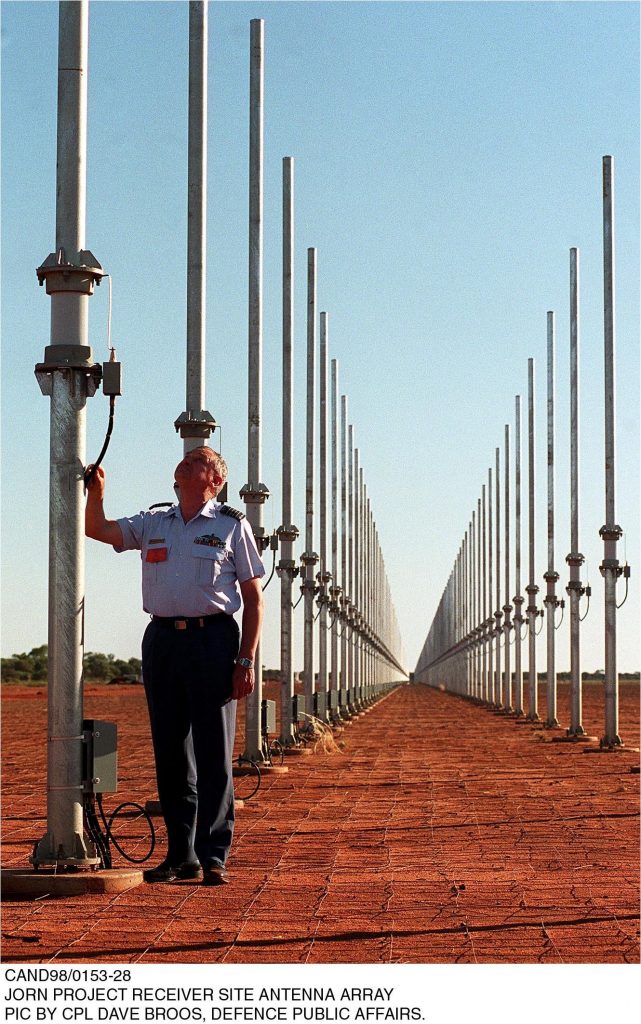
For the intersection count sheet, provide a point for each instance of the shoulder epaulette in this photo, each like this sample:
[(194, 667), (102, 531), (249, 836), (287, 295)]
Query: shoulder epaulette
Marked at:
[(227, 510)]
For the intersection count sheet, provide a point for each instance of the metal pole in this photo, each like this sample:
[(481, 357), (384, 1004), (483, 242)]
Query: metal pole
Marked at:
[(610, 531), (350, 564), (575, 559), (551, 576), (479, 586), (489, 622), (324, 576), (68, 376), (498, 613), (196, 424), (483, 607), (310, 558), (507, 607), (361, 587), (344, 581), (518, 596), (254, 493), (335, 590), (475, 546), (532, 588), (287, 533), (356, 587)]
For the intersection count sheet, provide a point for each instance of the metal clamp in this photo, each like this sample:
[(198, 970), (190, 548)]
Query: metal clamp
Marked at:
[(60, 275)]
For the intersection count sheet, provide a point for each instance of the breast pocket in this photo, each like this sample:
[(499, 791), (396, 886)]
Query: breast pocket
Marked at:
[(155, 557), (208, 562)]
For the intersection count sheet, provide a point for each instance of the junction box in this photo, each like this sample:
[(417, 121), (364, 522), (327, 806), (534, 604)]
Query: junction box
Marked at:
[(100, 756)]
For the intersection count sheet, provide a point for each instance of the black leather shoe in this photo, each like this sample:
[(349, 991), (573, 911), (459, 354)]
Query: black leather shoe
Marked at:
[(215, 875), (167, 872)]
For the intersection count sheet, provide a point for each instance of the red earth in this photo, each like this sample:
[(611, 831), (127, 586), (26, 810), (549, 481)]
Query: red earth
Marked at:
[(442, 832)]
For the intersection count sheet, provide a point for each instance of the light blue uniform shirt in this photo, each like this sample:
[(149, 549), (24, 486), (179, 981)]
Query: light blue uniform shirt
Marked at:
[(192, 569)]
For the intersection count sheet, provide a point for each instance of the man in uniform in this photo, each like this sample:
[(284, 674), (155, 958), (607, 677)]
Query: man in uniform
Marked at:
[(198, 558)]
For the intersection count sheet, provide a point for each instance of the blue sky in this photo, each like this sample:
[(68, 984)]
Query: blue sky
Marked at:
[(448, 155)]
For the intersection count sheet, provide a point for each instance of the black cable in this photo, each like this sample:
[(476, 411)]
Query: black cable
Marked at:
[(582, 617), (112, 838), (625, 597), (93, 828), (272, 572), (90, 472)]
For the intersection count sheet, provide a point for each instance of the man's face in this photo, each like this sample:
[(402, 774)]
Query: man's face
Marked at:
[(196, 471)]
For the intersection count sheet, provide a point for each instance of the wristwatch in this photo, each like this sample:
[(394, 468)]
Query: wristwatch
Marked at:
[(244, 662)]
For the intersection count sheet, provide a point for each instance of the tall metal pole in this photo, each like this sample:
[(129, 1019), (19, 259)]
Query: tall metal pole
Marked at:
[(575, 559), (68, 376), (344, 580), (610, 531), (479, 595), (483, 605), (324, 576), (507, 607), (350, 563), (356, 587), (497, 612), (532, 587), (287, 533), (254, 493), (310, 558), (518, 596), (335, 590), (362, 618), (196, 424), (489, 622), (551, 576)]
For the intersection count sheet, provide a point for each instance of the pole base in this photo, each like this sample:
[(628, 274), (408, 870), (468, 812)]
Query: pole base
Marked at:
[(619, 748), (296, 752), (18, 883), (575, 738)]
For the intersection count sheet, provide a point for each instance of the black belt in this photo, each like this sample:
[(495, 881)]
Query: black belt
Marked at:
[(183, 622)]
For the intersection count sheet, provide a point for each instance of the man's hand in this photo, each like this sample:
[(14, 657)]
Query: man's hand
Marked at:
[(242, 682), (96, 526), (95, 482)]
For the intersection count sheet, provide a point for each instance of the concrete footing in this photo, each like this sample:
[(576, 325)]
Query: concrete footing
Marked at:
[(20, 883)]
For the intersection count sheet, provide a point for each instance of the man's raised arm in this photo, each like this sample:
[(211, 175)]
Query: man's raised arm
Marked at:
[(96, 526)]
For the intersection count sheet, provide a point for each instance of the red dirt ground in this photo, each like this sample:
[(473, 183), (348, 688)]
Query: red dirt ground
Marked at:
[(442, 833)]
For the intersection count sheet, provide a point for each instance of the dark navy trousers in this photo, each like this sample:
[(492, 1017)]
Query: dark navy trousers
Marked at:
[(188, 677)]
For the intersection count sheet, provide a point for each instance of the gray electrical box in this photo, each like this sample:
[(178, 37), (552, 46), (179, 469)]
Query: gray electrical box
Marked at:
[(333, 700), (298, 707), (320, 704), (100, 764), (268, 716)]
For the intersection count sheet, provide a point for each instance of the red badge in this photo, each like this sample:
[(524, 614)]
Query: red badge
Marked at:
[(156, 555)]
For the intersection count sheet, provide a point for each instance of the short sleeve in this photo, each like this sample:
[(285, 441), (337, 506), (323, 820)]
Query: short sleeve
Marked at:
[(247, 561), (132, 533)]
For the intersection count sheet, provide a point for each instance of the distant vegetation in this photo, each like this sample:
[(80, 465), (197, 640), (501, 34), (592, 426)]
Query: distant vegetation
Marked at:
[(32, 667)]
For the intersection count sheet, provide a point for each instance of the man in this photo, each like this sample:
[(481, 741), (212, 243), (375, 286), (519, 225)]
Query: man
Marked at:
[(195, 557)]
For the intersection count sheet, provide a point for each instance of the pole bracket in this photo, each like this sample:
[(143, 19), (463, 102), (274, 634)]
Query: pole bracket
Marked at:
[(575, 558), (254, 495), (287, 534), (612, 533), (59, 275), (195, 423), (611, 565), (65, 358)]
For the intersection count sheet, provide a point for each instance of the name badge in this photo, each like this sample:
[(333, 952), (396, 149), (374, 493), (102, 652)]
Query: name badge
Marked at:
[(156, 555)]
